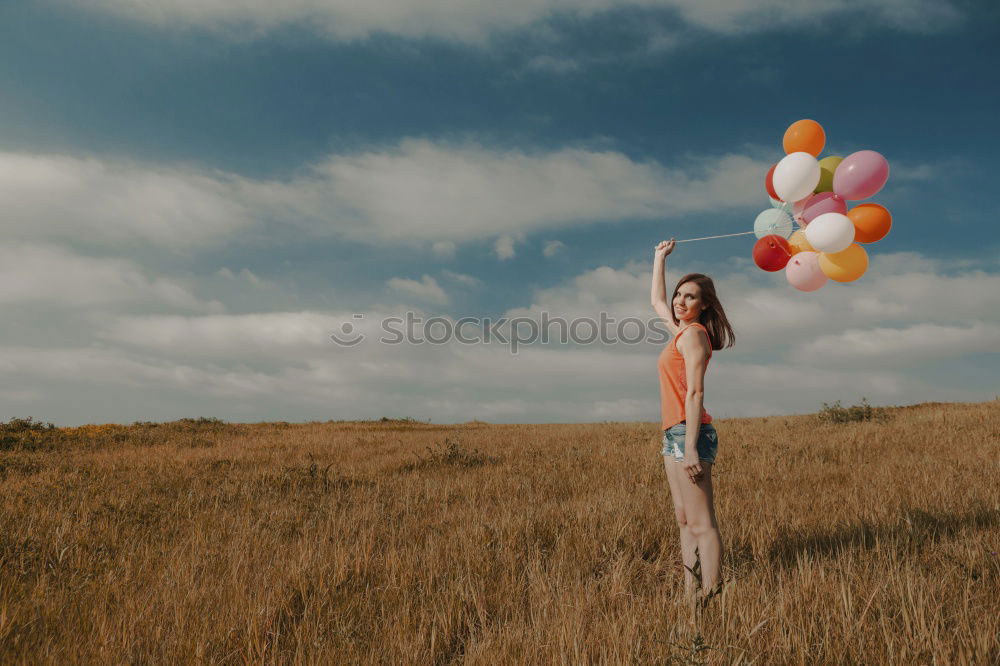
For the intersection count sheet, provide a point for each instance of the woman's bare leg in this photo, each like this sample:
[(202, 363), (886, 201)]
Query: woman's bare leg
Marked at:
[(699, 510), (675, 476)]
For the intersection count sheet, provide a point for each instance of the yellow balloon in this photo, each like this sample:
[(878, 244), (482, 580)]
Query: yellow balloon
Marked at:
[(827, 166), (844, 266), (798, 242)]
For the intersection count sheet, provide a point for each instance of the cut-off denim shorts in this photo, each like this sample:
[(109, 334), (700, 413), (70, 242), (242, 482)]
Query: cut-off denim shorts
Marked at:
[(708, 442)]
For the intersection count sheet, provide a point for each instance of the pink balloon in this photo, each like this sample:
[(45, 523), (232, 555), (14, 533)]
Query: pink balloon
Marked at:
[(824, 202), (860, 175), (798, 208), (803, 271)]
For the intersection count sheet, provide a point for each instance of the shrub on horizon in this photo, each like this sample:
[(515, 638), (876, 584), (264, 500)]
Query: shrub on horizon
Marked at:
[(836, 413), (27, 434)]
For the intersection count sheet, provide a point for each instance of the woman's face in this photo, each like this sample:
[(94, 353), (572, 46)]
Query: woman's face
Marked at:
[(687, 303)]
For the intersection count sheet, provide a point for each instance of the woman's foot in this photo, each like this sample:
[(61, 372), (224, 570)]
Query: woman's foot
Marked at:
[(705, 597)]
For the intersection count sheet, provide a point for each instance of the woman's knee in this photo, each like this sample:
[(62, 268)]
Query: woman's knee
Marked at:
[(699, 528)]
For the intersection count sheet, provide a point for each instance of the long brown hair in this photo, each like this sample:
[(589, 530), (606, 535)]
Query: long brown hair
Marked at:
[(713, 317)]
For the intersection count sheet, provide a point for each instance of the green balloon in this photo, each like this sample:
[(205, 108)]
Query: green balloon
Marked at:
[(827, 166)]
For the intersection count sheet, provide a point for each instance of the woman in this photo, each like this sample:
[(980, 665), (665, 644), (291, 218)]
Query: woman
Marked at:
[(689, 452)]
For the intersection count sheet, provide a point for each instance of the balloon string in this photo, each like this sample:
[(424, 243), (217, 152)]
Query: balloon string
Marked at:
[(688, 240), (741, 233)]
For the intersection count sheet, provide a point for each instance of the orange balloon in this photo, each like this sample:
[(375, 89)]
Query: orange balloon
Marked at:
[(844, 266), (804, 136), (798, 242), (871, 222)]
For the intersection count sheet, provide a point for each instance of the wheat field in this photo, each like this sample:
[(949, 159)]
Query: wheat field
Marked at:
[(400, 542)]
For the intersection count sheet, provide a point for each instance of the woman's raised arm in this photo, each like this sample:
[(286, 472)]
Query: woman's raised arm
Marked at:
[(658, 291)]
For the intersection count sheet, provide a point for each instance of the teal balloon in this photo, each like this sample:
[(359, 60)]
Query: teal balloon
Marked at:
[(773, 221), (783, 205)]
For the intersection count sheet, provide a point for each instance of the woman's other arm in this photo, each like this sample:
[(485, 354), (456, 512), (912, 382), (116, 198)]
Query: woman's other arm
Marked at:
[(695, 350)]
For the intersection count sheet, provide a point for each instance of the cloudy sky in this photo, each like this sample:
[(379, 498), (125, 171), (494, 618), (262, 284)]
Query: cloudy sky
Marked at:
[(194, 196)]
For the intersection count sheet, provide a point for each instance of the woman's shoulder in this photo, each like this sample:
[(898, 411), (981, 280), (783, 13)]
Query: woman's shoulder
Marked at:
[(691, 325), (694, 325)]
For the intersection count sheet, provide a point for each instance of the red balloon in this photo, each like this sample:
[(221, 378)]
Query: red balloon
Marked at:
[(769, 183), (772, 253)]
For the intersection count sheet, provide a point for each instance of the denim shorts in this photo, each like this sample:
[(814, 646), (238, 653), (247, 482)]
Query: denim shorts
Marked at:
[(708, 442)]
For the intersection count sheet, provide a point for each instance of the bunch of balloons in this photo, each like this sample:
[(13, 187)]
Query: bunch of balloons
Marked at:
[(814, 193)]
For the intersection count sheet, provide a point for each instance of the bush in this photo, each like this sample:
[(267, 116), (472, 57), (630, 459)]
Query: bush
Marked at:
[(187, 423), (27, 434), (202, 421), (451, 454), (836, 413)]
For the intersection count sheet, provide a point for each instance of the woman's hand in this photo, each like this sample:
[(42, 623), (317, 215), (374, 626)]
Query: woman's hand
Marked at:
[(692, 467), (664, 248)]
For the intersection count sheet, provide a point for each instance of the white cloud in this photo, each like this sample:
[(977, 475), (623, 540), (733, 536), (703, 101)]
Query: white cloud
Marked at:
[(433, 191), (244, 337), (461, 278), (474, 22), (416, 191), (919, 15), (247, 275), (443, 249), (552, 248), (46, 274), (794, 351), (504, 248), (619, 292), (901, 290), (889, 347), (448, 382), (57, 197), (427, 289), (740, 16), (913, 172), (907, 310), (103, 366), (552, 64)]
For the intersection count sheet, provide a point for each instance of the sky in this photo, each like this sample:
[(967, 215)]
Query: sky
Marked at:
[(195, 197)]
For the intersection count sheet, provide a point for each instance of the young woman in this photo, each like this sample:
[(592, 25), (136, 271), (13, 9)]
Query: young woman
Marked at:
[(690, 442)]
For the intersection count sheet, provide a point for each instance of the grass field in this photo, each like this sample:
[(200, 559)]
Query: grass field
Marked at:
[(400, 542)]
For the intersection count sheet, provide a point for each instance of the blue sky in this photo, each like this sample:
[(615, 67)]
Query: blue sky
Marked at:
[(196, 195)]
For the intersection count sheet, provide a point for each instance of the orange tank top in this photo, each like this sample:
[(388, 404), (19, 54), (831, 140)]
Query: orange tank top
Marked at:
[(673, 381)]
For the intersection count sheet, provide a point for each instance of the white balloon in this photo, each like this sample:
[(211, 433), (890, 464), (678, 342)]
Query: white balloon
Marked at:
[(773, 221), (830, 232), (796, 176)]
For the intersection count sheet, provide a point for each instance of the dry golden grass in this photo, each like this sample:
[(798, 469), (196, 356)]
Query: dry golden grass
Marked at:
[(856, 543)]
